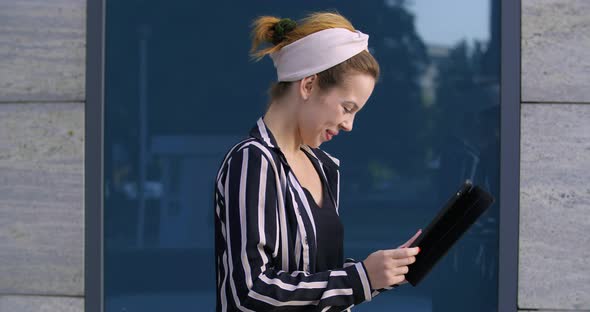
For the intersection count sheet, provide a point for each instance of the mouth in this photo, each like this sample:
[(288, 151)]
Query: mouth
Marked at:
[(330, 135)]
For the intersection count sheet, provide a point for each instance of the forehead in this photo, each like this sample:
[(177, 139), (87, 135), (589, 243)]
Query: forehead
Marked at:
[(352, 80), (357, 86)]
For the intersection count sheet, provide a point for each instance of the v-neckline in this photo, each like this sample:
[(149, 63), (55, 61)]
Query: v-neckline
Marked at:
[(313, 199), (324, 193)]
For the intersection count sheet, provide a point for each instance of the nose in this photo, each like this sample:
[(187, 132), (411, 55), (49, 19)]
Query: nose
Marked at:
[(346, 125)]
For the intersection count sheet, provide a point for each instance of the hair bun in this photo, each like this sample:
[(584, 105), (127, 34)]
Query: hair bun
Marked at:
[(281, 28)]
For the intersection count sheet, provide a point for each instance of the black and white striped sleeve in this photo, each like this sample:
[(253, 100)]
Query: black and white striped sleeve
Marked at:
[(248, 277)]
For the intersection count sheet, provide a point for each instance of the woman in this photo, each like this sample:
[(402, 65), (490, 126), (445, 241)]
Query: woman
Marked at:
[(279, 239)]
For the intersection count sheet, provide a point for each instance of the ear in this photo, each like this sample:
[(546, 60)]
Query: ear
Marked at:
[(306, 86)]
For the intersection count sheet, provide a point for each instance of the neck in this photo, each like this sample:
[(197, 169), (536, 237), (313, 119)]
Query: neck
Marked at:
[(279, 119)]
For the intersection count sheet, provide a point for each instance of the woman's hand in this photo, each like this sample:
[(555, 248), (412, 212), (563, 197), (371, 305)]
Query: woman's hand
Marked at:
[(411, 240), (388, 267)]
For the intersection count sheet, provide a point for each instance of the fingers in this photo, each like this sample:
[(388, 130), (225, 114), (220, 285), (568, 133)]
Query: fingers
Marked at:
[(401, 270), (402, 252), (389, 267), (411, 240), (403, 261), (395, 280)]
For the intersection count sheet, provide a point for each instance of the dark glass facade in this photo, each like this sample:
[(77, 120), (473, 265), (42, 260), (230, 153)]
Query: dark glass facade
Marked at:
[(180, 89)]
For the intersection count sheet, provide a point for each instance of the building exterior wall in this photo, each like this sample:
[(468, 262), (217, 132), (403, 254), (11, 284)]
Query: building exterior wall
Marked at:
[(42, 57), (42, 72), (554, 270)]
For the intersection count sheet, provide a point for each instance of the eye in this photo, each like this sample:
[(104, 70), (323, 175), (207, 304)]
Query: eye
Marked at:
[(346, 110)]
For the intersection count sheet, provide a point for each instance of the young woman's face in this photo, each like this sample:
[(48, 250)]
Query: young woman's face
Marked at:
[(326, 112)]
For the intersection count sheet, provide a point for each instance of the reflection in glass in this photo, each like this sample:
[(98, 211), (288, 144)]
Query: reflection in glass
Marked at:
[(180, 90)]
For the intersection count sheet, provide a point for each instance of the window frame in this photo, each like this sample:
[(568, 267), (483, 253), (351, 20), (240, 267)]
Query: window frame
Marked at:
[(510, 74)]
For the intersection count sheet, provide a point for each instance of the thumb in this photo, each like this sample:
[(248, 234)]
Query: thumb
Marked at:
[(411, 240)]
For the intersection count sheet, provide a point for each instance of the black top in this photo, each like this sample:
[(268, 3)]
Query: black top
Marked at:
[(330, 232)]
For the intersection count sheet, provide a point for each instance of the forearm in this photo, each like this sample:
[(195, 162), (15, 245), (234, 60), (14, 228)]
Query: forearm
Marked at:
[(334, 290)]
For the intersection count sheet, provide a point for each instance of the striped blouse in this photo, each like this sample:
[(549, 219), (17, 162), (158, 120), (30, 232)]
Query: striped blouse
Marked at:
[(265, 235)]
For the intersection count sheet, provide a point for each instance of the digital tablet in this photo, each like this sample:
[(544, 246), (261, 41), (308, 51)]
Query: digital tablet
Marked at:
[(462, 209)]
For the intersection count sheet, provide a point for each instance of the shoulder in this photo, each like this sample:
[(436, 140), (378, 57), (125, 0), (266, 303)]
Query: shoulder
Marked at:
[(253, 148), (256, 149)]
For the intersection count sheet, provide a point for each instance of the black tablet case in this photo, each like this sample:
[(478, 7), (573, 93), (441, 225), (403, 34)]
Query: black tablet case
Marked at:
[(456, 216)]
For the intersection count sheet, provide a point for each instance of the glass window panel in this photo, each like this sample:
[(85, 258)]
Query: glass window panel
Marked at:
[(181, 89)]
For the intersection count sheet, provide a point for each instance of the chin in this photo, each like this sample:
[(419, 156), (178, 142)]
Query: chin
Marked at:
[(317, 144), (314, 144)]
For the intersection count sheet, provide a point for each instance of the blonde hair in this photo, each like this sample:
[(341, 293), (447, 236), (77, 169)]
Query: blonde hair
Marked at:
[(264, 32)]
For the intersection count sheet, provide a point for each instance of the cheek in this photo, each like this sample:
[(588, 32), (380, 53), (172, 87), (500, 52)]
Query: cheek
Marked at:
[(331, 110), (314, 124), (322, 115), (336, 114), (328, 116), (310, 121), (318, 114)]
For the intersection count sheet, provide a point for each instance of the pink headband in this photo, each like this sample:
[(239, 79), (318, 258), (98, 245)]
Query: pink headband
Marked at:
[(317, 52)]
